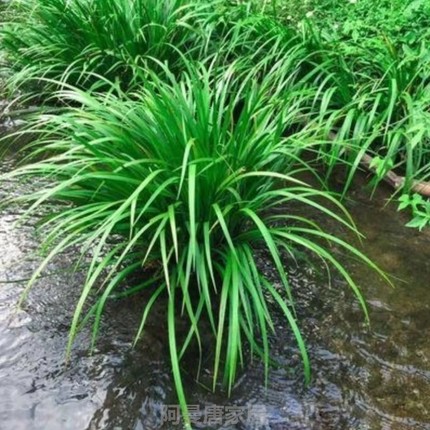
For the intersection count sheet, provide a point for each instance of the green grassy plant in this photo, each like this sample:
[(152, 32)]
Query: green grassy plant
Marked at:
[(72, 41), (381, 111), (372, 92), (177, 185), (372, 83)]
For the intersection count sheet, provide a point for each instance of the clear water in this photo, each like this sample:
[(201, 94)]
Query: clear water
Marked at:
[(363, 378)]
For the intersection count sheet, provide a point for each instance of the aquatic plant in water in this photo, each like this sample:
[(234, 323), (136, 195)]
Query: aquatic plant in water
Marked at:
[(176, 186)]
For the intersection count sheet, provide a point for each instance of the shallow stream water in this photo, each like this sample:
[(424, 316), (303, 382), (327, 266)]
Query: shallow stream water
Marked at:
[(363, 378)]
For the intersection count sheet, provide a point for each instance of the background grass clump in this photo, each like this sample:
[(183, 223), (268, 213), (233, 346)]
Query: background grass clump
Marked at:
[(375, 67), (72, 41)]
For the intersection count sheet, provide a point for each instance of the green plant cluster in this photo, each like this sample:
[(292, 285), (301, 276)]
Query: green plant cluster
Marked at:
[(177, 140), (388, 54), (362, 22), (112, 39), (376, 56), (401, 22)]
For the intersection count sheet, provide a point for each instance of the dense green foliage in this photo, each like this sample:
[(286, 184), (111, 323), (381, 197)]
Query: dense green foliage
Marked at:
[(373, 63), (188, 174), (376, 97), (177, 153), (68, 41)]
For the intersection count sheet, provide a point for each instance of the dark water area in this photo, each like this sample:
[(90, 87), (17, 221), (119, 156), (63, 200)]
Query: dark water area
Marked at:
[(363, 378)]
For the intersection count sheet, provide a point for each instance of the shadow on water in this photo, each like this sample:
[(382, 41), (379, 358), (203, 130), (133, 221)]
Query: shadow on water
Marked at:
[(363, 378)]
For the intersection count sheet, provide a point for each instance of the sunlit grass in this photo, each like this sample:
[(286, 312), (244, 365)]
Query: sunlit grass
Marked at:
[(73, 41), (176, 185)]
